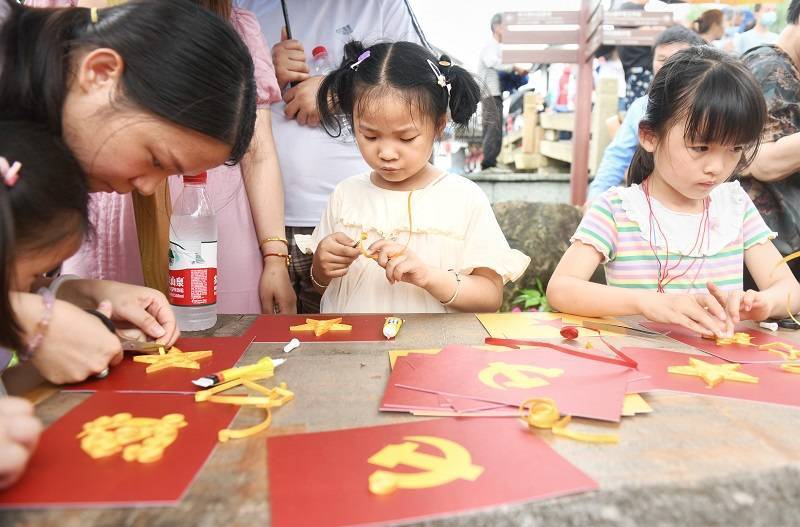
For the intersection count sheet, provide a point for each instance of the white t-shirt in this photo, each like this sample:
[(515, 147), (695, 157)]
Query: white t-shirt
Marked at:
[(752, 38), (312, 162), (489, 66)]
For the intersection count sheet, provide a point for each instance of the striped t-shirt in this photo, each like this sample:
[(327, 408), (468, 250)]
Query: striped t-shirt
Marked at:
[(618, 225)]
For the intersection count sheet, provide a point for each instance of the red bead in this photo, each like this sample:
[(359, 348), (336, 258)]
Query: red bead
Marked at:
[(569, 332)]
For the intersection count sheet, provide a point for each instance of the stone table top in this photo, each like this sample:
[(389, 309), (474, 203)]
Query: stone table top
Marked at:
[(693, 461)]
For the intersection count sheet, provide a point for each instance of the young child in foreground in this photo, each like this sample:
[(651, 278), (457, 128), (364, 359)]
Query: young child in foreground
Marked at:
[(405, 237)]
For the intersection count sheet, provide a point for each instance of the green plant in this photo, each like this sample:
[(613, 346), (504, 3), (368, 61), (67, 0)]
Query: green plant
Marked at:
[(532, 298)]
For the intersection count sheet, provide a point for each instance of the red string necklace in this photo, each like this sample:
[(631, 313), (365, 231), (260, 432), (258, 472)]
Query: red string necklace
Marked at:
[(664, 269)]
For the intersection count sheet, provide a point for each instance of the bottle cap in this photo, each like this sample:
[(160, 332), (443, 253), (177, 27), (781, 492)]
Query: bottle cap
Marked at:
[(319, 50), (197, 179)]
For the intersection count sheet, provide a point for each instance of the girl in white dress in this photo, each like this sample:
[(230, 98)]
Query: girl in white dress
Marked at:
[(405, 237)]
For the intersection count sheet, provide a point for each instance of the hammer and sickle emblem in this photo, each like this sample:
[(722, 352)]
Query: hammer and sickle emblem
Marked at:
[(456, 463), (516, 375)]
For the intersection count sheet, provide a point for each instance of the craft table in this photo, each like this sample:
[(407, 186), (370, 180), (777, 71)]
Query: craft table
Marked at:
[(693, 461)]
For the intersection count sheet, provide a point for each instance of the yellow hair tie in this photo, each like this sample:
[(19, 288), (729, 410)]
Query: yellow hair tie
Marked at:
[(93, 15)]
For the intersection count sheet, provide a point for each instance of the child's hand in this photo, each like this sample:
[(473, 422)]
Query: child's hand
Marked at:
[(333, 257), (742, 305), (401, 264), (19, 433), (700, 313)]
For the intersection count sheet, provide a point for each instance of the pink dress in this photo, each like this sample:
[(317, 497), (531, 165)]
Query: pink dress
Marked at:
[(113, 252)]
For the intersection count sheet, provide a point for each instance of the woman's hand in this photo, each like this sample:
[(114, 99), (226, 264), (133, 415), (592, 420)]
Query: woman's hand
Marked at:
[(19, 433), (275, 288)]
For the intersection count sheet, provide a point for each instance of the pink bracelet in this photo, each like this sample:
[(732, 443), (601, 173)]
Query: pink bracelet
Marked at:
[(41, 328)]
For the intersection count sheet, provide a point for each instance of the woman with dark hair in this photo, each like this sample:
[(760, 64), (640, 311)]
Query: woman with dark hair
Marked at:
[(97, 78), (247, 200)]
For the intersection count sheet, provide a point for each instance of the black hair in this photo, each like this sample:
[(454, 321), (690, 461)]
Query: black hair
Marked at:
[(47, 204), (793, 12), (717, 96), (401, 66), (182, 63), (678, 33), (756, 8)]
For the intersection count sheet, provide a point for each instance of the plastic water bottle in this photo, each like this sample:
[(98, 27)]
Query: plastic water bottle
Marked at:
[(321, 65), (193, 257), (320, 61)]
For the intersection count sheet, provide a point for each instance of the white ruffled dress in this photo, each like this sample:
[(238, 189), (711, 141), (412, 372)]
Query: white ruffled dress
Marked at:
[(453, 228)]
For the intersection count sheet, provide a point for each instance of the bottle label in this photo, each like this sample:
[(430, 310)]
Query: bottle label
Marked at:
[(192, 273)]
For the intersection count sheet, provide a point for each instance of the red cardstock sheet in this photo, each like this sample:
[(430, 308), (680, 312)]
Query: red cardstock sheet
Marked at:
[(275, 329), (402, 399), (129, 376), (774, 385), (580, 387), (730, 352), (60, 474), (322, 478)]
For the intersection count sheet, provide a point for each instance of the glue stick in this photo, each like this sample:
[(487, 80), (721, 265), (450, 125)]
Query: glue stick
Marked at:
[(392, 327)]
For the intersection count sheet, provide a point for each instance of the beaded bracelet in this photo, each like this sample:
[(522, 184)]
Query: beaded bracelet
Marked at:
[(41, 328)]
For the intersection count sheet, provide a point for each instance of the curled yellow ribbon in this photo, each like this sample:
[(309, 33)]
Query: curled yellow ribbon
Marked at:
[(543, 413), (791, 367)]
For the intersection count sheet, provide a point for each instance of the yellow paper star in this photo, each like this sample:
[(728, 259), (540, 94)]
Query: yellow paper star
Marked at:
[(175, 358), (713, 374), (320, 327)]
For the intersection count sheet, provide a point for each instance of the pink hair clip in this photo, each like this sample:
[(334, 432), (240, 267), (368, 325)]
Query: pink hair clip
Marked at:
[(361, 58), (9, 172)]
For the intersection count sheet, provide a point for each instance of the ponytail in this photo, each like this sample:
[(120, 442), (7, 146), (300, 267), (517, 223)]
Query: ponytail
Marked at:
[(336, 93), (642, 165), (465, 94)]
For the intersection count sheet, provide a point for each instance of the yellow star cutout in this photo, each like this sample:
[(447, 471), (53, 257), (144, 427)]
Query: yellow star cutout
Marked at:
[(713, 374), (175, 358), (320, 327)]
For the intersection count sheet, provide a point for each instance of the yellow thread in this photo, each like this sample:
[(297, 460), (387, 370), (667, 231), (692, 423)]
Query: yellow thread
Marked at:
[(543, 413), (93, 15), (791, 368), (363, 236)]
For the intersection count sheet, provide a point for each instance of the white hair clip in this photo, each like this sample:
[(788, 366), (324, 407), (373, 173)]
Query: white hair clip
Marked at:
[(440, 79), (361, 58)]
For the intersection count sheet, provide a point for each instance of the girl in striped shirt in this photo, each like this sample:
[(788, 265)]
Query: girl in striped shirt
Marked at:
[(681, 227)]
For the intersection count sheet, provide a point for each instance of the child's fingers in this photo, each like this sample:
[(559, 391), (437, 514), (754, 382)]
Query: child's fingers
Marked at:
[(688, 323), (336, 273), (713, 305), (749, 298), (333, 260), (716, 292), (392, 267), (699, 315), (733, 305)]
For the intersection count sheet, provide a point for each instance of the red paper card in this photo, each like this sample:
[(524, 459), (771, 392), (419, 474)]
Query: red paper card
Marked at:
[(60, 474), (774, 385), (401, 399), (729, 352), (129, 376), (580, 387), (323, 478), (275, 328)]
